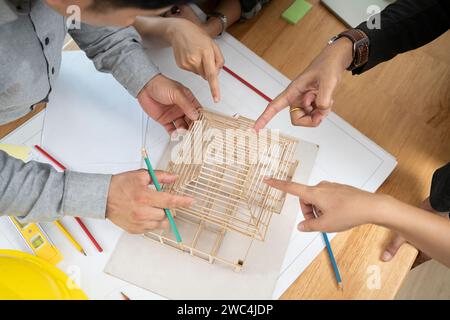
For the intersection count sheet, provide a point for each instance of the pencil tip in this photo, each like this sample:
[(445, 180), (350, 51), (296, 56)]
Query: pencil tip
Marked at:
[(125, 296), (144, 153), (341, 286), (83, 252)]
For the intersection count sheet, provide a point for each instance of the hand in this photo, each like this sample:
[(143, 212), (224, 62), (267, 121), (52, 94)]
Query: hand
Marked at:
[(311, 94), (136, 208), (169, 103), (338, 206), (195, 51)]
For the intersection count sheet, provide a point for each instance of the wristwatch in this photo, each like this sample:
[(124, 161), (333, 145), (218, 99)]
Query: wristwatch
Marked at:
[(361, 44), (223, 19)]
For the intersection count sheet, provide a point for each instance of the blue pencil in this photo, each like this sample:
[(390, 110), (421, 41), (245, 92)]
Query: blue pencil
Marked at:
[(330, 253)]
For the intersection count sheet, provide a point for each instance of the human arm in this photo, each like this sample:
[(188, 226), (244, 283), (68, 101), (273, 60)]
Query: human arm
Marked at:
[(36, 192), (405, 25), (229, 8), (193, 49), (343, 207)]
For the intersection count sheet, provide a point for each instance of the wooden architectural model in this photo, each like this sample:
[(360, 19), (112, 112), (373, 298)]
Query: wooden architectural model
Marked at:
[(222, 162)]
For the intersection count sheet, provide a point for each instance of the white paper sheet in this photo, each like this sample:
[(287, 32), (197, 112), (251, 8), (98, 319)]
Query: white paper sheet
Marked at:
[(91, 119)]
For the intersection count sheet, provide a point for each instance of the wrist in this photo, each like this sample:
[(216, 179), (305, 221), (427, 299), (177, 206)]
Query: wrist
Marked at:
[(213, 27), (171, 26), (384, 210), (342, 50)]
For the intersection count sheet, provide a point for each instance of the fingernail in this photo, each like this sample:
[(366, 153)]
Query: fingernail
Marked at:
[(387, 256), (195, 114), (301, 227), (216, 99)]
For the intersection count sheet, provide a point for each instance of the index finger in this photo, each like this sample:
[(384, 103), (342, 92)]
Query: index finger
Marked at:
[(296, 189), (212, 76), (278, 104), (165, 200)]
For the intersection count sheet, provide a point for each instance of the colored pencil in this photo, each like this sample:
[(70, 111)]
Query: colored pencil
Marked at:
[(331, 255), (158, 187), (247, 84), (78, 220), (70, 237), (89, 234)]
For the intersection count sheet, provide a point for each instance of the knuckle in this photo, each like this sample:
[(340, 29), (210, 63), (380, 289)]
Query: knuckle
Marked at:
[(173, 202), (140, 197), (192, 60), (295, 121), (139, 215)]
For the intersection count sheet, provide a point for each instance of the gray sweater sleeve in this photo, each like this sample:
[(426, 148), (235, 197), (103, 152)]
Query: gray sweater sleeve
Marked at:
[(36, 192), (117, 51)]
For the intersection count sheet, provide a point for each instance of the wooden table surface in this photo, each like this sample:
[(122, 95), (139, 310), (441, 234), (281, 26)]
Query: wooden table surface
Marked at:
[(403, 105)]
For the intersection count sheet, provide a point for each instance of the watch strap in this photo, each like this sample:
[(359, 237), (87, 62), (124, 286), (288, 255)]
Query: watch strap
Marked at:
[(360, 47), (223, 19)]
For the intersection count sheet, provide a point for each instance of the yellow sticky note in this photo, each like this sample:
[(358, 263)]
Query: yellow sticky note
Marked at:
[(19, 152)]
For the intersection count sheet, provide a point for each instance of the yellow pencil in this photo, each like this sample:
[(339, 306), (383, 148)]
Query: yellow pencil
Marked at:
[(69, 236)]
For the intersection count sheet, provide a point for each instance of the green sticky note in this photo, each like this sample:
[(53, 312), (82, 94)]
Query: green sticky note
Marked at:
[(296, 11)]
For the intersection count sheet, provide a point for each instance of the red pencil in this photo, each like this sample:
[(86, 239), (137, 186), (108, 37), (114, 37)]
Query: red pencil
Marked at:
[(80, 222), (248, 84)]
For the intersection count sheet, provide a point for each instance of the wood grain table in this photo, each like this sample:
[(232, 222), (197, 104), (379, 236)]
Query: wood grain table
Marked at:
[(403, 105)]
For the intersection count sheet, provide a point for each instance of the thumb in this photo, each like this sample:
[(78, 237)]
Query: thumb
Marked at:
[(278, 104), (184, 99), (310, 225), (324, 98), (392, 248)]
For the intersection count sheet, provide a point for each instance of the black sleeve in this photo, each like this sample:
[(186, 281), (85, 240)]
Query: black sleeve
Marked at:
[(405, 25), (440, 189), (249, 8)]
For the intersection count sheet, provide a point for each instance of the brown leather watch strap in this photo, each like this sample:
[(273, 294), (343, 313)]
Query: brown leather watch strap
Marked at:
[(360, 47)]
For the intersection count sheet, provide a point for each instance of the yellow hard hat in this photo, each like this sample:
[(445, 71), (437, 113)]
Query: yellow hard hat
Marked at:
[(24, 276)]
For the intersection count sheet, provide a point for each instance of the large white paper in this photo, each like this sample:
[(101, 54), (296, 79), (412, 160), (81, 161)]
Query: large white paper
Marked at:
[(91, 118)]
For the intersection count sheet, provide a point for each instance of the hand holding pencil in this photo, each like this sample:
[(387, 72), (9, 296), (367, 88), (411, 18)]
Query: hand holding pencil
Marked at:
[(138, 209)]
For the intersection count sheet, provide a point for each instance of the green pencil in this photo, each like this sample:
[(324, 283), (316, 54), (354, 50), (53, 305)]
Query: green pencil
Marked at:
[(158, 187)]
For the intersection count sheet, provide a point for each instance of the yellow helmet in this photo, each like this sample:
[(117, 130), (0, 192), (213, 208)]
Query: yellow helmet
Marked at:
[(24, 276)]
